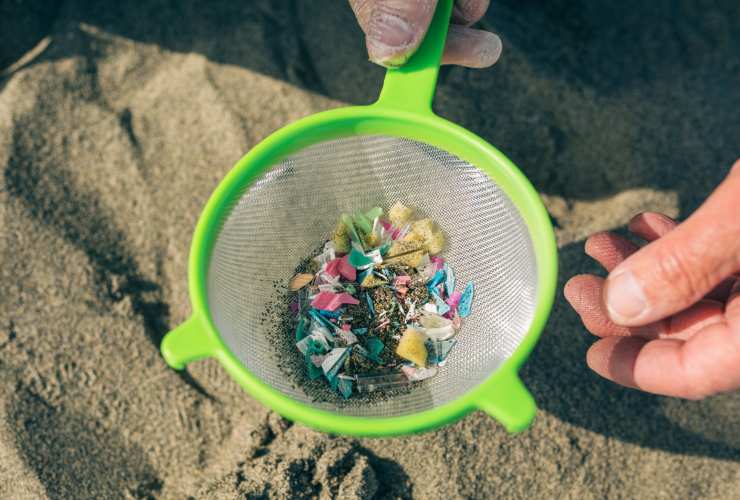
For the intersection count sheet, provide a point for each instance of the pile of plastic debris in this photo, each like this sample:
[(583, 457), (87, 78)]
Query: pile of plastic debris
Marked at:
[(377, 307)]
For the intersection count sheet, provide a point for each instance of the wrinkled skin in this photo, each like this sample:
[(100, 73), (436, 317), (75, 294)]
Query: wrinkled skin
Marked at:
[(668, 314), (395, 28)]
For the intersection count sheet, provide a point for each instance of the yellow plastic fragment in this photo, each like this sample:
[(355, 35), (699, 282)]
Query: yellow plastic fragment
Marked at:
[(400, 214), (410, 253), (340, 238), (427, 232), (411, 347), (371, 281), (299, 281), (372, 240)]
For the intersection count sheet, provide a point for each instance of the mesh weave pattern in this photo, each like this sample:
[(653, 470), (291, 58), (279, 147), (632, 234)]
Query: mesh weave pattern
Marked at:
[(292, 209)]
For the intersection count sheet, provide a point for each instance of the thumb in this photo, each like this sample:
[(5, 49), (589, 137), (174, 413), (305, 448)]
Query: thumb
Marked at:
[(393, 29), (675, 271)]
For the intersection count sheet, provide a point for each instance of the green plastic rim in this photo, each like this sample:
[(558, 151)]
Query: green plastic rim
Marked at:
[(403, 110)]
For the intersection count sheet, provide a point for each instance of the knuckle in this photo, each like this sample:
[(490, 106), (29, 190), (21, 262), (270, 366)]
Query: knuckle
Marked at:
[(678, 269)]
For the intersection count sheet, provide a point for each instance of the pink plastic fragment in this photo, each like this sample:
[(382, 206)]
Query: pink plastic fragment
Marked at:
[(454, 299), (333, 267), (328, 301), (402, 280), (346, 270), (439, 262), (386, 225), (347, 327), (294, 307)]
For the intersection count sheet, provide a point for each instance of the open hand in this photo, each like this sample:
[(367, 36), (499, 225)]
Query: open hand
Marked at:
[(669, 313), (395, 28)]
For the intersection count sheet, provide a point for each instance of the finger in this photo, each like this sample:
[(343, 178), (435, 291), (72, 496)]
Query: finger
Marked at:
[(651, 225), (393, 28), (609, 249), (703, 365), (471, 48), (675, 271), (732, 309), (467, 12), (583, 293)]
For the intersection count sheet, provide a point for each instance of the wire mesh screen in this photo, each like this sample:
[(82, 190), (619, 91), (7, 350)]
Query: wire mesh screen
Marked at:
[(292, 210)]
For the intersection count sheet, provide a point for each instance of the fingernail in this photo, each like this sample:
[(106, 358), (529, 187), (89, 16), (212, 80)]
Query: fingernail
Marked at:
[(489, 50), (625, 299), (387, 36)]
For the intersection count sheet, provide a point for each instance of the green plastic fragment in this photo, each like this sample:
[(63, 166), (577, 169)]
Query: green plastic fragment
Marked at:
[(362, 223), (347, 221), (374, 213)]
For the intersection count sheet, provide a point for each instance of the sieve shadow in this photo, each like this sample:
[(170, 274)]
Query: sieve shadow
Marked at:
[(564, 386), (591, 97)]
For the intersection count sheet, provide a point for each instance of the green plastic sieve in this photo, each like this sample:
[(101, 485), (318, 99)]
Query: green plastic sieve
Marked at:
[(282, 199)]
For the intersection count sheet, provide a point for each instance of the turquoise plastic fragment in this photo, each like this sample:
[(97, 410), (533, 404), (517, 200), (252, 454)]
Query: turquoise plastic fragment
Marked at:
[(442, 307), (314, 371), (439, 350), (374, 347), (385, 247), (359, 260), (360, 331), (350, 289), (300, 331), (466, 301), (344, 386), (449, 280)]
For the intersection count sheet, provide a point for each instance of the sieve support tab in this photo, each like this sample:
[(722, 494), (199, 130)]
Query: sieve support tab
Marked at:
[(509, 402), (411, 87), (188, 342)]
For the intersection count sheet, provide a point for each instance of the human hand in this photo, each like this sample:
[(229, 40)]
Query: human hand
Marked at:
[(669, 313), (395, 28)]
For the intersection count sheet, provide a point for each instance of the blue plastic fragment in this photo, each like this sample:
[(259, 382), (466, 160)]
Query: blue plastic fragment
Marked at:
[(466, 301), (344, 385), (370, 305), (449, 280), (330, 314)]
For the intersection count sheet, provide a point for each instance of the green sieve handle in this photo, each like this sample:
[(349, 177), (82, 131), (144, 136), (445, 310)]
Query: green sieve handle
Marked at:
[(507, 400), (188, 342), (411, 87)]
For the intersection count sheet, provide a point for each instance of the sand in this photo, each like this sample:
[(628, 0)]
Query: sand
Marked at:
[(117, 122)]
